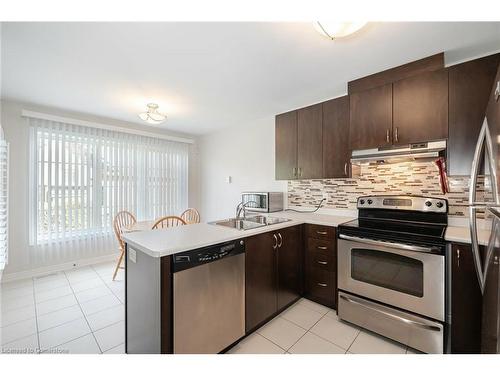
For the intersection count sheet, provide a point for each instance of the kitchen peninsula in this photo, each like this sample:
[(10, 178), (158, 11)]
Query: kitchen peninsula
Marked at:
[(150, 269)]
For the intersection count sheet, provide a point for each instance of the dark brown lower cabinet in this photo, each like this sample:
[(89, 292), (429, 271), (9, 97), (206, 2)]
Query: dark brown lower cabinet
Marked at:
[(321, 265), (260, 279), (489, 324), (289, 265), (273, 273), (466, 302)]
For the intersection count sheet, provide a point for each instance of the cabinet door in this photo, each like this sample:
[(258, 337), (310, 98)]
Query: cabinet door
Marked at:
[(421, 108), (286, 146), (260, 283), (490, 334), (289, 265), (336, 153), (470, 86), (310, 144), (371, 118), (466, 301)]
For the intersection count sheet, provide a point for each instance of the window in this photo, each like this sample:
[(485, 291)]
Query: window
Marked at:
[(4, 201), (82, 176)]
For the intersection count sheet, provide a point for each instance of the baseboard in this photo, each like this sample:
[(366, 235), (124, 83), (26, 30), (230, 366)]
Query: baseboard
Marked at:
[(42, 271)]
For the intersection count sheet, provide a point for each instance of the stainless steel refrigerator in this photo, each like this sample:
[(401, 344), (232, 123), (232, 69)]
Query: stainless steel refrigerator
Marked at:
[(486, 202)]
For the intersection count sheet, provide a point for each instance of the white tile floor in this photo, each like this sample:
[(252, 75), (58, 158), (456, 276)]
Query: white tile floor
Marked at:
[(310, 328), (82, 311), (76, 311)]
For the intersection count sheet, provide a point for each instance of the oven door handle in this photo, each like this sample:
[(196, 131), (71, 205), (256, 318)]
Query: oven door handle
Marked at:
[(421, 249), (390, 315)]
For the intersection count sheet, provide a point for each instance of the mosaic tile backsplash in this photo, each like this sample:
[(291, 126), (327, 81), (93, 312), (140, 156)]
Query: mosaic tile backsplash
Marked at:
[(412, 177)]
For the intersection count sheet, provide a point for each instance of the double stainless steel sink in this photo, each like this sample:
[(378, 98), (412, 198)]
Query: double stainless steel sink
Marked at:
[(249, 222)]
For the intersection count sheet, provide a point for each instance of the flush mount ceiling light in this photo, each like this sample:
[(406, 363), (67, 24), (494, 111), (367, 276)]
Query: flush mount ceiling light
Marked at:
[(333, 30), (152, 115)]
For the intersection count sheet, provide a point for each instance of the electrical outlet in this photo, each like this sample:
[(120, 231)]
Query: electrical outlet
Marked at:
[(325, 195), (308, 191)]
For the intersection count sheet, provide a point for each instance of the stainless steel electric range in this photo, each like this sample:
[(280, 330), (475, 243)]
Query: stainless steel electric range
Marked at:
[(391, 269)]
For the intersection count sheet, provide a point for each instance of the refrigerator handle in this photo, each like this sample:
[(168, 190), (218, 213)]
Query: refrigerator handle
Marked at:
[(483, 142), (475, 247)]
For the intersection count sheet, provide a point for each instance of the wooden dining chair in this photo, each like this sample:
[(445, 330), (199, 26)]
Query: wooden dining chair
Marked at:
[(168, 221), (191, 216), (122, 219)]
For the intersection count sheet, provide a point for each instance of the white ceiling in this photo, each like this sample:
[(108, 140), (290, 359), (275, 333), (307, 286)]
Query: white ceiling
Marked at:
[(208, 76)]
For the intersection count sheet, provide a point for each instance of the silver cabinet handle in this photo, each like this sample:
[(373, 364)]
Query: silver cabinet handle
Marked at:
[(458, 258), (322, 247), (396, 135), (387, 136), (322, 262), (300, 172), (275, 242), (281, 240), (345, 168), (421, 249), (386, 313), (294, 172), (323, 233), (323, 285)]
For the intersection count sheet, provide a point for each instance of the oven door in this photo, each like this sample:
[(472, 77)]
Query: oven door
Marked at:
[(412, 280)]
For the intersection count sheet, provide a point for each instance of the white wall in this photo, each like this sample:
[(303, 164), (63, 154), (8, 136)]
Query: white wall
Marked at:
[(16, 132), (246, 153)]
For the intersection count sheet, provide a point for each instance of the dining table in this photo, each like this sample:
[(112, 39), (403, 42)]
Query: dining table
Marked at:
[(139, 226)]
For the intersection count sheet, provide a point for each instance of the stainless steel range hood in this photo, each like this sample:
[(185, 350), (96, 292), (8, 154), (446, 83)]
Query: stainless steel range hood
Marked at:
[(422, 150)]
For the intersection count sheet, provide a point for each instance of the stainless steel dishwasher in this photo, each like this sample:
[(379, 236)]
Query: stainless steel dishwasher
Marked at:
[(209, 298)]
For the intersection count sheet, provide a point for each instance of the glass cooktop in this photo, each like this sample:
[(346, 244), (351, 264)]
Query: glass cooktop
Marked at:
[(395, 230)]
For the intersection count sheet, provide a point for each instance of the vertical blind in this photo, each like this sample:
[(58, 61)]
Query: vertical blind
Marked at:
[(82, 176), (4, 199)]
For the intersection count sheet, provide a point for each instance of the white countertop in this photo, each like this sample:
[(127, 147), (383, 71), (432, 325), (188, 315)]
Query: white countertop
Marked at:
[(163, 242), (462, 235)]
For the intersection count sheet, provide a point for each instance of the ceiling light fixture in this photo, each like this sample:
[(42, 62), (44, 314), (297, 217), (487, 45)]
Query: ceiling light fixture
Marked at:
[(152, 115), (333, 30)]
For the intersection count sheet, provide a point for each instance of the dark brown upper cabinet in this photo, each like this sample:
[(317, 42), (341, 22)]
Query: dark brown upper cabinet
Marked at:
[(414, 68), (286, 146), (371, 118), (336, 155), (309, 142), (470, 85), (420, 108)]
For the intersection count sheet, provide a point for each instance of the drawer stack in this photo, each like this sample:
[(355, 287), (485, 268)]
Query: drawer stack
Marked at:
[(321, 264)]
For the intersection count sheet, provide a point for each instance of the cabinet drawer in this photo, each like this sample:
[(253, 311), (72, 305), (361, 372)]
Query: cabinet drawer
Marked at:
[(326, 247), (319, 260), (322, 285), (321, 232)]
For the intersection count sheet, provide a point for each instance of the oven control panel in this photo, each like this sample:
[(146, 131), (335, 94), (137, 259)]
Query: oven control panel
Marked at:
[(404, 202)]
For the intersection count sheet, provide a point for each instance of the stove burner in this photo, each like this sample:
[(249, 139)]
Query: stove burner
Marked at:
[(404, 219)]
